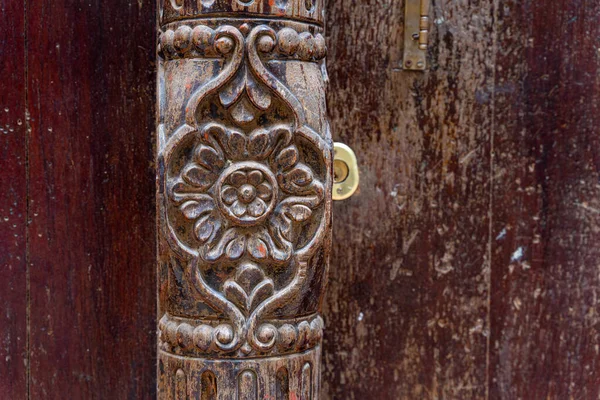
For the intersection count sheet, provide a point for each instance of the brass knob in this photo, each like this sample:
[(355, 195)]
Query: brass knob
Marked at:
[(345, 172)]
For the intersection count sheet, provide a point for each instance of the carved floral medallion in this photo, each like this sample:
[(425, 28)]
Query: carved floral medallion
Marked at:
[(245, 180)]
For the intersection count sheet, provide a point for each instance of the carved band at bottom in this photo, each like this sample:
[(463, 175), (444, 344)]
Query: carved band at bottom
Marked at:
[(294, 376)]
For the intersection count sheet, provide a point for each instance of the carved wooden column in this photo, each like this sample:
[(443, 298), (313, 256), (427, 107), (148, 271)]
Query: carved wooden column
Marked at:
[(244, 198)]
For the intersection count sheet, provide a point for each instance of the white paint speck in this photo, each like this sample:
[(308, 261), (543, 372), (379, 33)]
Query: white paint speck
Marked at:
[(502, 234), (517, 255), (361, 316)]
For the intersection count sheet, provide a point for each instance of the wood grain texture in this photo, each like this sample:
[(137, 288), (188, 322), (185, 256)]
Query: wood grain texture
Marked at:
[(92, 236), (13, 204), (545, 324), (511, 98), (406, 314)]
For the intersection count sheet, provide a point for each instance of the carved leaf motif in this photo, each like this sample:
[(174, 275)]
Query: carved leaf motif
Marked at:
[(236, 144), (249, 288), (243, 112), (262, 292), (209, 158), (236, 248), (248, 276), (236, 294), (198, 176), (205, 226), (257, 248), (283, 226), (300, 212), (259, 144), (194, 209), (300, 176), (287, 158)]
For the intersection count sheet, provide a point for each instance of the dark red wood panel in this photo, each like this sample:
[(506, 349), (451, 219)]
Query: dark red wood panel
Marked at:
[(92, 232), (13, 203), (545, 321)]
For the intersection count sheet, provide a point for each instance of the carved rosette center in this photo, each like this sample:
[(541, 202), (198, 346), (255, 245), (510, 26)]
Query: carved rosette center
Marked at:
[(246, 194)]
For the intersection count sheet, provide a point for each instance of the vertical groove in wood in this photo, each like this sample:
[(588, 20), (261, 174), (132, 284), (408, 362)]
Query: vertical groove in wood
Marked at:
[(420, 219), (307, 379), (282, 384), (247, 386), (208, 386), (180, 385)]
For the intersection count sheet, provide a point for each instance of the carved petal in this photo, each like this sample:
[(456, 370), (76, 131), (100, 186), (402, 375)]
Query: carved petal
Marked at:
[(257, 248), (280, 249), (205, 227), (238, 178), (236, 144), (198, 176), (248, 276), (287, 158), (194, 209), (300, 212), (259, 144), (229, 194), (255, 177), (258, 93), (243, 112), (256, 208), (238, 208), (236, 248), (235, 293), (209, 158), (265, 191), (262, 292), (214, 253)]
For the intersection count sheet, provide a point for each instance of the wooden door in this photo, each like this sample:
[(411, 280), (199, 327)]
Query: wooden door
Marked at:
[(464, 268)]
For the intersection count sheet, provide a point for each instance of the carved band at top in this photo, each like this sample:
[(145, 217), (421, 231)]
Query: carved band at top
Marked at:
[(199, 41), (301, 10)]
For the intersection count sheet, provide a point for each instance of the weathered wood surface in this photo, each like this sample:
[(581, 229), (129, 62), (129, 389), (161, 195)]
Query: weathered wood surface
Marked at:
[(91, 199), (466, 267), (13, 204), (545, 282)]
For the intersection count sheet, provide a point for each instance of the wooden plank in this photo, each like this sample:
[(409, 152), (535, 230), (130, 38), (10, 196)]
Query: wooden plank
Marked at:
[(406, 313), (92, 233), (13, 203), (545, 277)]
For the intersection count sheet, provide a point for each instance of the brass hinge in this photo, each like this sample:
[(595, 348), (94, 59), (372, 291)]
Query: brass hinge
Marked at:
[(416, 34)]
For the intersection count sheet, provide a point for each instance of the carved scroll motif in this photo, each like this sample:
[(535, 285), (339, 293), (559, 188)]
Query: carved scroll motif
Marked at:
[(244, 201)]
